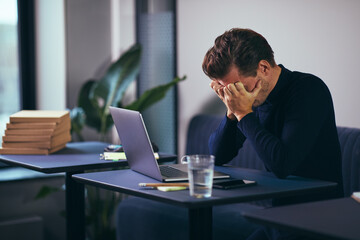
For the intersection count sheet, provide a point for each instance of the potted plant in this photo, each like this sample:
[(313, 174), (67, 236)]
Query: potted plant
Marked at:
[(92, 110), (95, 97)]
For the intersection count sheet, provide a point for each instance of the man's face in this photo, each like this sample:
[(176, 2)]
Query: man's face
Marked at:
[(249, 83)]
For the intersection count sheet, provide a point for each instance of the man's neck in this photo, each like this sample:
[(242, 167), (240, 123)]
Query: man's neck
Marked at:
[(274, 78)]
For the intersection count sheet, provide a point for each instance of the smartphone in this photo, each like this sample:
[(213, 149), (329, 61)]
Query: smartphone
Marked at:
[(232, 183)]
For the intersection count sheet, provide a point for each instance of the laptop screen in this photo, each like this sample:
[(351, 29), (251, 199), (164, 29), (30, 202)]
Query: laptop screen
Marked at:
[(135, 140)]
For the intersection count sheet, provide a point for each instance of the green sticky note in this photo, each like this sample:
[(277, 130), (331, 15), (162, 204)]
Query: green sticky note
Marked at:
[(168, 189), (115, 156)]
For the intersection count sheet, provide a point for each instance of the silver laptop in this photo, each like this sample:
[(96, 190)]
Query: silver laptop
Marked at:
[(139, 152)]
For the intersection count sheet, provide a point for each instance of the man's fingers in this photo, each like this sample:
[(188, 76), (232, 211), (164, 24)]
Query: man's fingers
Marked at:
[(228, 90), (218, 89), (215, 86), (257, 88), (220, 92), (240, 88)]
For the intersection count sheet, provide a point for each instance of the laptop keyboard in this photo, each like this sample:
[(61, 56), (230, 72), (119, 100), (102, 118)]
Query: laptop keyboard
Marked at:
[(169, 171)]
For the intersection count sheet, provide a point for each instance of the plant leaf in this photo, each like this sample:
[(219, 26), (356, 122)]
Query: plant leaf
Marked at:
[(92, 113), (110, 89), (78, 119), (153, 95), (77, 116), (46, 191)]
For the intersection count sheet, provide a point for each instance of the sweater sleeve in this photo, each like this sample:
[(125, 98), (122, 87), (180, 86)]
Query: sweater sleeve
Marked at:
[(304, 114), (226, 141)]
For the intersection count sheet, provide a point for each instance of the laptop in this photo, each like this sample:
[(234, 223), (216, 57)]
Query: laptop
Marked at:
[(139, 152)]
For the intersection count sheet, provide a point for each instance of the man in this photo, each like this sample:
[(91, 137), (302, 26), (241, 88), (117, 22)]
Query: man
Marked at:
[(288, 117)]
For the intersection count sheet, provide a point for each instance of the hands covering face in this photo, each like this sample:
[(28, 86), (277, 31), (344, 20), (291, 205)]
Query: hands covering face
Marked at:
[(237, 99)]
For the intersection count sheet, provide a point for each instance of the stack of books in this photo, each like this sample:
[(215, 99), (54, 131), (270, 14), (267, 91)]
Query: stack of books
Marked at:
[(36, 132)]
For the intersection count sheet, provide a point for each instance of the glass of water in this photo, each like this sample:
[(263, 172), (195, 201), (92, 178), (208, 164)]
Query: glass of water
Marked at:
[(200, 171)]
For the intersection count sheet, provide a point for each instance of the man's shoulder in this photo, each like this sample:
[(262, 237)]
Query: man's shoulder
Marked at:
[(301, 79), (304, 88), (307, 82), (306, 77)]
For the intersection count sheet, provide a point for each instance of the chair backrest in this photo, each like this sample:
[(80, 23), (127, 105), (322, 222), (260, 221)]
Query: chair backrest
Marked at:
[(201, 127), (199, 131), (350, 151)]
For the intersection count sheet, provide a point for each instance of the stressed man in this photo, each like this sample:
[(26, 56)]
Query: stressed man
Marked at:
[(287, 116)]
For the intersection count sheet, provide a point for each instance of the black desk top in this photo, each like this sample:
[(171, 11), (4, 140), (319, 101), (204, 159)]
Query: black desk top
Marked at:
[(268, 186), (77, 156), (331, 219)]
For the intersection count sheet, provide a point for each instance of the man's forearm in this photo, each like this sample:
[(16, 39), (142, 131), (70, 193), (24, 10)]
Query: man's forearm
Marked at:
[(225, 142)]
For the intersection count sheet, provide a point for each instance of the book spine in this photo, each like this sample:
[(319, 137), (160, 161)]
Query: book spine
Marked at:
[(26, 138)]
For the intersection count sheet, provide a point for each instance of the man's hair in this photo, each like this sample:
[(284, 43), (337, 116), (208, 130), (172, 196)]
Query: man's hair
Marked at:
[(243, 48)]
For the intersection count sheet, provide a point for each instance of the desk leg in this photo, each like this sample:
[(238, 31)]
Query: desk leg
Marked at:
[(75, 209), (200, 223)]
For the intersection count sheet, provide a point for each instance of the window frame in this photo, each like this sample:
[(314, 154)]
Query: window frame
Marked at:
[(26, 56), (27, 53)]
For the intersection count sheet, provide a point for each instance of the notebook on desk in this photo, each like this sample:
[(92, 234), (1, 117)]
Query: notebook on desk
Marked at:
[(139, 153)]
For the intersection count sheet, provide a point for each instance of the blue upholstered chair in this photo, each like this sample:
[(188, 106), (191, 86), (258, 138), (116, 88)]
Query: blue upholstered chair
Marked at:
[(201, 127)]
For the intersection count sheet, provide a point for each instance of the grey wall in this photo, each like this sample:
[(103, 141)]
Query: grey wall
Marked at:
[(321, 37), (88, 40), (88, 46)]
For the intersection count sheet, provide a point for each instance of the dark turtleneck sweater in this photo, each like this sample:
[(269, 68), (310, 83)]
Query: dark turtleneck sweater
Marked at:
[(293, 131)]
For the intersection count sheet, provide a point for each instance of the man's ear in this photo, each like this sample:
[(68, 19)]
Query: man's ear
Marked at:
[(264, 67)]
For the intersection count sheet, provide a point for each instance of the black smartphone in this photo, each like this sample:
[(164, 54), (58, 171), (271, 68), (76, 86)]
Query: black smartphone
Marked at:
[(232, 183)]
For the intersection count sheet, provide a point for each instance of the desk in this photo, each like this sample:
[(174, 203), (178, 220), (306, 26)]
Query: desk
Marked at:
[(330, 219), (200, 210), (75, 158)]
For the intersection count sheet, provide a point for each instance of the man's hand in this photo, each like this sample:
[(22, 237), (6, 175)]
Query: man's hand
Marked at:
[(238, 100), (219, 90)]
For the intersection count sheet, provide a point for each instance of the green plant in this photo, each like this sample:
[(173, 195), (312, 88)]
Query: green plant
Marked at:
[(92, 110), (95, 97), (100, 213)]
